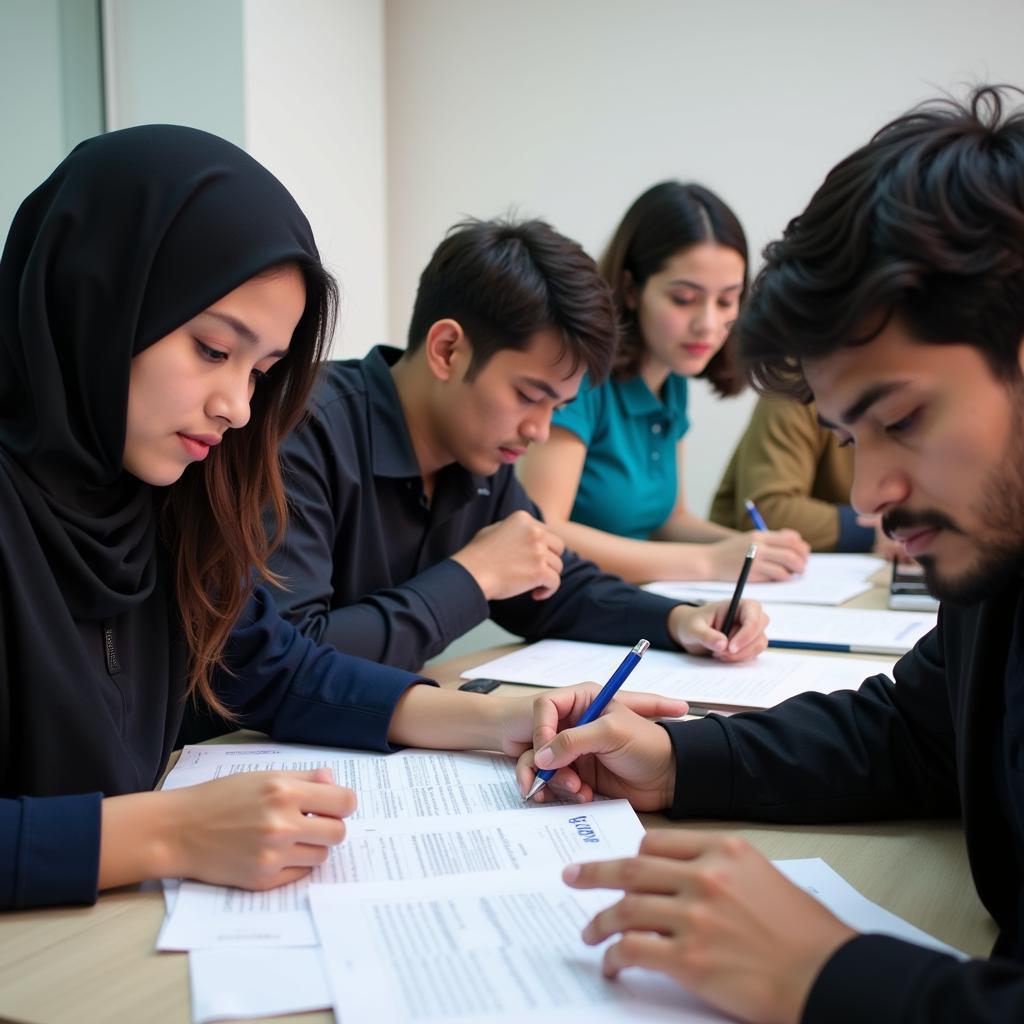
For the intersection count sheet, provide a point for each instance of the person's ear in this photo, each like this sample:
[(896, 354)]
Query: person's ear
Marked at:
[(630, 292), (445, 350)]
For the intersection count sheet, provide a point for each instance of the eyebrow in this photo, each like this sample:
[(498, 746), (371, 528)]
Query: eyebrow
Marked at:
[(873, 394), (542, 385), (701, 288), (243, 330)]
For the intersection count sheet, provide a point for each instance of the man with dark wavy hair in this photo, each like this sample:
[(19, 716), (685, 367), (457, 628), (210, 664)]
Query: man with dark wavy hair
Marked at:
[(896, 301)]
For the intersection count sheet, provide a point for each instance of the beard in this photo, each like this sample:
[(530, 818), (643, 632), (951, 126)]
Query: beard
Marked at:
[(1000, 536)]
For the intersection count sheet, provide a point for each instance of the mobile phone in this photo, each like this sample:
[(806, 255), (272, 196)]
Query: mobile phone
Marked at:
[(908, 590), (481, 685)]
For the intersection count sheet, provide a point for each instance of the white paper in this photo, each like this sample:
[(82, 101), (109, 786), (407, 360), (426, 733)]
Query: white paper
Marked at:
[(536, 840), (764, 682), (493, 949), (828, 579), (815, 876), (470, 950), (409, 783), (234, 984), (863, 630)]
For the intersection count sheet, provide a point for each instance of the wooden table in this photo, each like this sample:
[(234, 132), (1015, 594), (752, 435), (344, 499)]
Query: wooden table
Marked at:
[(98, 964)]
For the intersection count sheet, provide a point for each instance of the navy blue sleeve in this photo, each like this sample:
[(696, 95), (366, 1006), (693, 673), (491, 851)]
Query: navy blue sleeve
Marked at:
[(883, 980), (885, 750), (589, 604), (49, 850), (283, 683), (853, 536)]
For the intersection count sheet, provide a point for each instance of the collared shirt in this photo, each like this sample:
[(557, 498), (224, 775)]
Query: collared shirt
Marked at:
[(367, 559), (630, 477)]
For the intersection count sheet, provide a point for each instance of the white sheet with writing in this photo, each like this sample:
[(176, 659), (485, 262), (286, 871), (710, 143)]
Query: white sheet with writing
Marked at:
[(828, 579), (496, 948), (537, 840), (771, 678), (293, 980), (861, 629)]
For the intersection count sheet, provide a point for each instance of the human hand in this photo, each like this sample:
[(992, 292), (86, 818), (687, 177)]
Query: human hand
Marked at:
[(513, 556), (698, 630), (256, 830), (780, 554), (620, 754), (711, 912)]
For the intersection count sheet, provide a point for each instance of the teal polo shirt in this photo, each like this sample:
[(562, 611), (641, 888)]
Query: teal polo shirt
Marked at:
[(630, 477)]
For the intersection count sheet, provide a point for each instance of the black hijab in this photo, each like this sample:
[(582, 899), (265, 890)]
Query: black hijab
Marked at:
[(135, 233), (132, 235)]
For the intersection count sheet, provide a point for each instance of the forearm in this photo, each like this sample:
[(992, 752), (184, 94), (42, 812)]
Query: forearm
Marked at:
[(636, 561), (136, 839), (430, 717), (686, 527), (406, 625)]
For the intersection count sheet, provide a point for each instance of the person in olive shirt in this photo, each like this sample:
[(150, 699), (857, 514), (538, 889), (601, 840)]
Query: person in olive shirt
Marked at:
[(408, 526), (799, 476)]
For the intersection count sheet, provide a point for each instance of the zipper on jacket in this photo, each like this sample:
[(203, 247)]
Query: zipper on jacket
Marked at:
[(110, 649)]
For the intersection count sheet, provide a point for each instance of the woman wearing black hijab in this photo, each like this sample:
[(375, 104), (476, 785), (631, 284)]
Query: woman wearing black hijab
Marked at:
[(159, 292)]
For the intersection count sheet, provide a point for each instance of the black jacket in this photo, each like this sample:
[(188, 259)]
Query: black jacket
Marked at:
[(921, 747)]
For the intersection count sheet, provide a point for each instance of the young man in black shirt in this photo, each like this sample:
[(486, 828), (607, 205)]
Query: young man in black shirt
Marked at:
[(407, 524), (896, 300)]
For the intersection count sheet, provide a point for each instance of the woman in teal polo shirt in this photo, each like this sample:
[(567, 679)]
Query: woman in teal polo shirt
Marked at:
[(608, 479)]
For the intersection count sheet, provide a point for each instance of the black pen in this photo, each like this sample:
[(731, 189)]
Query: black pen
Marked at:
[(734, 604)]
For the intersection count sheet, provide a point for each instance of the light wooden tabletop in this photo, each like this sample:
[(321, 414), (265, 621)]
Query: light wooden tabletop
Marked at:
[(98, 964)]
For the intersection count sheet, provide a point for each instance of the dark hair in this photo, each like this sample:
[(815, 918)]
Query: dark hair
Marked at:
[(925, 223), (212, 516), (504, 281), (666, 219)]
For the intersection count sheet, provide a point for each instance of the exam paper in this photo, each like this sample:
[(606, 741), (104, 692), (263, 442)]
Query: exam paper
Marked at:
[(505, 949), (863, 630), (409, 783), (771, 678), (829, 579), (494, 949), (538, 840)]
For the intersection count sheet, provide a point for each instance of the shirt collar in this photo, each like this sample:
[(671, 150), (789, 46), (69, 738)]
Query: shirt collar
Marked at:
[(638, 400), (391, 450)]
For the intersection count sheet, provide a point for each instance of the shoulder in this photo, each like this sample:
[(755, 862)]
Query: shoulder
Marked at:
[(586, 410)]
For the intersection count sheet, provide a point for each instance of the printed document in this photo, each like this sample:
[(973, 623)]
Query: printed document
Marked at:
[(498, 948), (537, 841), (770, 679)]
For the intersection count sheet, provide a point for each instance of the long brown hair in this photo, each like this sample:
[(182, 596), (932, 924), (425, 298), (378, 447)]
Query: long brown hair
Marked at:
[(212, 520), (666, 219)]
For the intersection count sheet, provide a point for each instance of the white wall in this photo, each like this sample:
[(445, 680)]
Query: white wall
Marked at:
[(175, 63), (49, 78), (569, 109), (314, 114)]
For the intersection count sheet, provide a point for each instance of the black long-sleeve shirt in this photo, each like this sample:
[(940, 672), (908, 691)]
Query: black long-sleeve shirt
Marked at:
[(944, 740), (367, 560)]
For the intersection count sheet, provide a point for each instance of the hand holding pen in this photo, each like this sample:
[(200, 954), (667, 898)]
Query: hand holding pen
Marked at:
[(601, 701)]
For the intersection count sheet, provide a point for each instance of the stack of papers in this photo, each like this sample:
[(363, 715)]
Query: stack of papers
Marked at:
[(768, 680), (447, 906), (828, 580)]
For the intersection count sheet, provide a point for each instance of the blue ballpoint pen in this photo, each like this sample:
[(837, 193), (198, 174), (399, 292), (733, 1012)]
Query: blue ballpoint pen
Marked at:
[(618, 677), (755, 516)]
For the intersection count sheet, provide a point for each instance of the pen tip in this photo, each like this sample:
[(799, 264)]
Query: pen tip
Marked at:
[(538, 784)]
